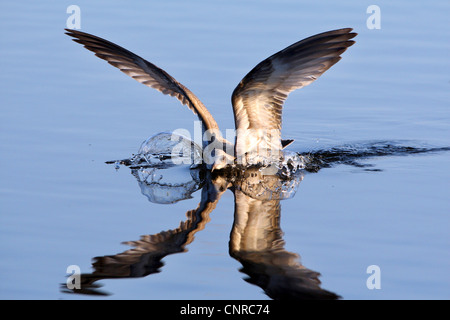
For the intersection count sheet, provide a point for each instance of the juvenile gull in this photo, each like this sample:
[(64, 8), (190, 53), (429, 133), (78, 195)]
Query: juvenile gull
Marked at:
[(257, 100)]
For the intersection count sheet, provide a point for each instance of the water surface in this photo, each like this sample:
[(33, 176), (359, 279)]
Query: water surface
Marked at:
[(64, 113)]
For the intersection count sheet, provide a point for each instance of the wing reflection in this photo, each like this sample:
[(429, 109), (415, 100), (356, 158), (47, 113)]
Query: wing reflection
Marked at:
[(255, 240), (147, 252)]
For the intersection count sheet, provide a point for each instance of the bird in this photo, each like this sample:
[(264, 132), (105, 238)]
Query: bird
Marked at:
[(257, 100)]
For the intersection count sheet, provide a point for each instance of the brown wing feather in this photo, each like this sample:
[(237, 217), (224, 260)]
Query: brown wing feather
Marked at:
[(259, 97), (144, 72)]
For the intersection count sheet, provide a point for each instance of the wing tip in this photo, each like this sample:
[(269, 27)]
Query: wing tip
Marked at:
[(72, 32), (338, 32)]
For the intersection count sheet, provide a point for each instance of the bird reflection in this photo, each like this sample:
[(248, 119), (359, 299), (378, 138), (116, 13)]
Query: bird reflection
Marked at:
[(255, 240)]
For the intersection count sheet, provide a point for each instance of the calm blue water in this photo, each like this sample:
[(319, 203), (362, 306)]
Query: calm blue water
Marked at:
[(64, 112)]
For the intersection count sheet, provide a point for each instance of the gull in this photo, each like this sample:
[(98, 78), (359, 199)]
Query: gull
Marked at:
[(257, 100)]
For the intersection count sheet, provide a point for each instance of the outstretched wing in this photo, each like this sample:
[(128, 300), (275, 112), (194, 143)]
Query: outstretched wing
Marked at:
[(259, 97), (144, 72)]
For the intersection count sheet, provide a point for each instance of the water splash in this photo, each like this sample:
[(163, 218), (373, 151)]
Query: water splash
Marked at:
[(164, 150), (170, 185)]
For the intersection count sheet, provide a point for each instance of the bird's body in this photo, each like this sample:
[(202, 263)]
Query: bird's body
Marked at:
[(257, 100)]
